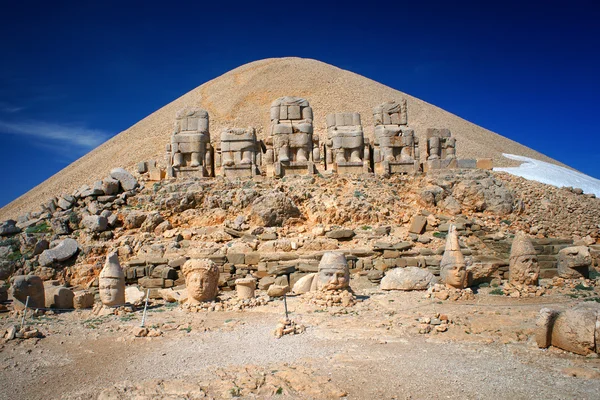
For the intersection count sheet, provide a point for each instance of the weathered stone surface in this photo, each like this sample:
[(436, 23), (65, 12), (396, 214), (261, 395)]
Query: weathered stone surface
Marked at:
[(110, 186), (341, 234), (281, 269), (277, 290), (95, 223), (23, 286), (58, 297), (151, 222), (83, 299), (304, 284), (133, 295), (62, 252), (575, 330), (274, 208), (3, 293), (409, 278), (134, 220), (9, 227), (265, 282), (417, 224), (127, 181), (574, 262), (6, 269), (236, 258)]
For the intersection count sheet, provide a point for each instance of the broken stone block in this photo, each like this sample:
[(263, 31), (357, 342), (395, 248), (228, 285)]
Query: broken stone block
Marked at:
[(418, 224), (127, 181), (277, 290), (83, 299), (9, 227), (409, 278), (95, 223), (133, 295), (58, 297), (23, 286), (340, 234)]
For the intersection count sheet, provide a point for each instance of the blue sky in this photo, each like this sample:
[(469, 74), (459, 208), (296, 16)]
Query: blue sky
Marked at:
[(73, 74)]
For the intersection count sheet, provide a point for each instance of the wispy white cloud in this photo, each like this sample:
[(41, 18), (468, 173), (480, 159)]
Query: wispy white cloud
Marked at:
[(12, 110), (69, 135)]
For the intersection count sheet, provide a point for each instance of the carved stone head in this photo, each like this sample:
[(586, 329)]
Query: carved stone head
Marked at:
[(111, 283), (453, 270), (201, 280), (333, 272), (523, 267), (574, 262)]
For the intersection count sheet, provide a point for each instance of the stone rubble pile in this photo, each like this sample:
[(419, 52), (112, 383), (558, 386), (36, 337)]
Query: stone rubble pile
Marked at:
[(287, 326), (334, 298), (437, 323), (442, 292)]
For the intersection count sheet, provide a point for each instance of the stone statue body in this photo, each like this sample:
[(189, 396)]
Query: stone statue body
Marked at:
[(576, 330), (111, 282), (453, 270), (396, 142), (345, 138), (291, 129), (333, 274), (238, 146), (201, 280), (440, 145), (190, 143), (523, 267)]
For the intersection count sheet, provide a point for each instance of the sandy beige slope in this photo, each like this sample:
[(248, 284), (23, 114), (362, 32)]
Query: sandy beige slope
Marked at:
[(242, 97)]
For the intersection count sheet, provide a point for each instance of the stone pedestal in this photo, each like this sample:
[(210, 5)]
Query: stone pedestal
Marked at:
[(245, 288)]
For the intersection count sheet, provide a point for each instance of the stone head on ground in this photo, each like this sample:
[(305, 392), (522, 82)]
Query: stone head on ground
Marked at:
[(523, 268), (201, 280), (453, 270), (574, 262), (333, 273), (111, 283)]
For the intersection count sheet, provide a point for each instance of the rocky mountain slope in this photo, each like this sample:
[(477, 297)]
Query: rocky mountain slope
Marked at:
[(242, 98)]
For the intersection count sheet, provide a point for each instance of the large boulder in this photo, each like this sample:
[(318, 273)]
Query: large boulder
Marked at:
[(6, 269), (24, 286), (9, 227), (127, 181), (83, 299), (62, 252), (95, 223), (274, 208), (409, 278)]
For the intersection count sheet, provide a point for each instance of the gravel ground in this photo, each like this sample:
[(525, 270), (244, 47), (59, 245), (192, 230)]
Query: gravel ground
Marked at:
[(370, 351)]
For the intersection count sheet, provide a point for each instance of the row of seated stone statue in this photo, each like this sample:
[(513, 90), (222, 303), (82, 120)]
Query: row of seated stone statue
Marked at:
[(291, 147)]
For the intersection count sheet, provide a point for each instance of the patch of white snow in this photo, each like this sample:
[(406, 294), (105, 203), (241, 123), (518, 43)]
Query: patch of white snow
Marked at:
[(551, 174)]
